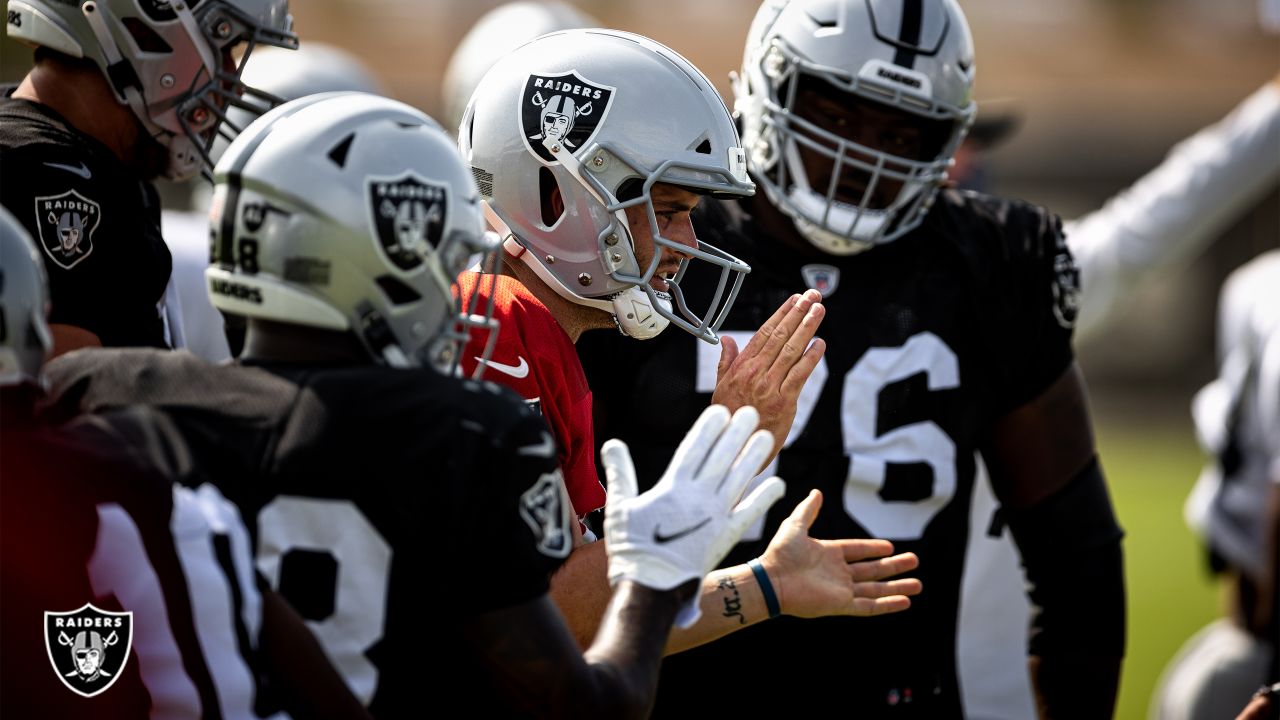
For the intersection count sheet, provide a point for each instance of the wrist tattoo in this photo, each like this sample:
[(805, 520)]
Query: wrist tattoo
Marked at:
[(732, 603)]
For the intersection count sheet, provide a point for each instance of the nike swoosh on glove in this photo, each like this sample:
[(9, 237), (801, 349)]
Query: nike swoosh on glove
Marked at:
[(684, 526)]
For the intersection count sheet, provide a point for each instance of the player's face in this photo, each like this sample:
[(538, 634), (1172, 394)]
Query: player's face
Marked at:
[(673, 206), (866, 123)]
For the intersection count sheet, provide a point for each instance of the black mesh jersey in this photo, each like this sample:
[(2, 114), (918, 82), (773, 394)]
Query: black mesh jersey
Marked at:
[(386, 505), (97, 225), (930, 338), (90, 514)]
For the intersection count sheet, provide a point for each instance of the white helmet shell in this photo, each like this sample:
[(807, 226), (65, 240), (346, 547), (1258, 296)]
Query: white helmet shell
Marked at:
[(348, 211), (601, 116), (914, 56)]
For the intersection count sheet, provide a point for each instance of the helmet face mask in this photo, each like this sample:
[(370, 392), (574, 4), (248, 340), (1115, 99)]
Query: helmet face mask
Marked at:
[(560, 187), (349, 212), (902, 111), (171, 63)]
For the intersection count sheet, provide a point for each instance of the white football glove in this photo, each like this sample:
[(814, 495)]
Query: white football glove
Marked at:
[(684, 526)]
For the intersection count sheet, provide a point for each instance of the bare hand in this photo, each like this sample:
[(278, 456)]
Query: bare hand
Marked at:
[(770, 372), (816, 578)]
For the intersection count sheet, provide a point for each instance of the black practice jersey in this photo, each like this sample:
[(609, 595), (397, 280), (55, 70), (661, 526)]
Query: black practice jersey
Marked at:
[(386, 505), (90, 515), (96, 222), (930, 338)]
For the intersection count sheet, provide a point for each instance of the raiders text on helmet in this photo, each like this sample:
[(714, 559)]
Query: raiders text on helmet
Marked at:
[(351, 212), (913, 58), (168, 60), (24, 305), (593, 119)]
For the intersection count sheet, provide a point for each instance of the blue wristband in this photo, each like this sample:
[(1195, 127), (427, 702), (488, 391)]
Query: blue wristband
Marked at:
[(766, 588)]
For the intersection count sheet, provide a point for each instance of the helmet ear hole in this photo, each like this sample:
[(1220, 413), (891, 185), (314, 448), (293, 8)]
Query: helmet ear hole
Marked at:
[(397, 292), (552, 201), (148, 40)]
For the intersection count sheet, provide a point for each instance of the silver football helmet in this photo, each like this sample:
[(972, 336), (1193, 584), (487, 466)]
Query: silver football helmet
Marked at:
[(24, 305), (913, 59), (170, 61), (348, 212), (594, 119), (495, 34)]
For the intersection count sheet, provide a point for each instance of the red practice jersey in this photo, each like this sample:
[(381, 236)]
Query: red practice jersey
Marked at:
[(535, 357)]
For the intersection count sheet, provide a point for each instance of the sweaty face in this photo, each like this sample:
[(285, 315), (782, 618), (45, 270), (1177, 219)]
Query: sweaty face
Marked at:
[(870, 126), (672, 205)]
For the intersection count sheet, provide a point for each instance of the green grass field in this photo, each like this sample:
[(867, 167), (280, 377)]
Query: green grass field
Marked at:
[(1151, 468)]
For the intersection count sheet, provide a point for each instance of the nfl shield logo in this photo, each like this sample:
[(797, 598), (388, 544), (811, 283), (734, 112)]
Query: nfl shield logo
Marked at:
[(88, 647), (563, 108), (823, 278), (65, 224), (408, 217)]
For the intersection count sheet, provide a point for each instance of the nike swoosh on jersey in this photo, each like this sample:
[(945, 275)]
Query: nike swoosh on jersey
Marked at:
[(661, 539), (515, 371), (82, 171), (545, 449)]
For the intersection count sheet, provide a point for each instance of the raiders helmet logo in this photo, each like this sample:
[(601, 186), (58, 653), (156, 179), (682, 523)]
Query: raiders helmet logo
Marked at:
[(88, 647), (408, 217), (564, 110), (65, 224), (1066, 290), (545, 508)]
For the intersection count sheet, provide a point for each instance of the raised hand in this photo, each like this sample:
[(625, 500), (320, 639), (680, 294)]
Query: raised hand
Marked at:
[(816, 578), (682, 527), (770, 372)]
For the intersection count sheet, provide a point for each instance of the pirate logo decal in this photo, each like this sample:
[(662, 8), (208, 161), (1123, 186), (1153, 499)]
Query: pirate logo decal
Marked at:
[(88, 647), (564, 110), (545, 509), (1066, 289), (66, 223), (408, 217)]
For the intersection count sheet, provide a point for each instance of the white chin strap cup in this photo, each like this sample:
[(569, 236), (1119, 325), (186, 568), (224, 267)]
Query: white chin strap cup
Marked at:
[(636, 316)]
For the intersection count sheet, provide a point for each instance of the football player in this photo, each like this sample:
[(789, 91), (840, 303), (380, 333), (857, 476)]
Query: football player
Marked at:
[(122, 92), (90, 514), (339, 223), (954, 314), (597, 236)]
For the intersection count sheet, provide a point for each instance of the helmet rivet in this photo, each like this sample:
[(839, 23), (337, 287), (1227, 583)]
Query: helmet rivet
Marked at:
[(631, 316), (597, 160), (199, 115), (167, 81), (555, 148), (551, 259), (179, 6), (584, 279), (222, 29), (616, 257), (612, 239)]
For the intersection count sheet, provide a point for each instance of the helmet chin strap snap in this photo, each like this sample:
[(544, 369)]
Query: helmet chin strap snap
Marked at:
[(636, 316)]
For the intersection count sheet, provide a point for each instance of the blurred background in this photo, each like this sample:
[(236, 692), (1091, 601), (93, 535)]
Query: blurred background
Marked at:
[(1101, 90)]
